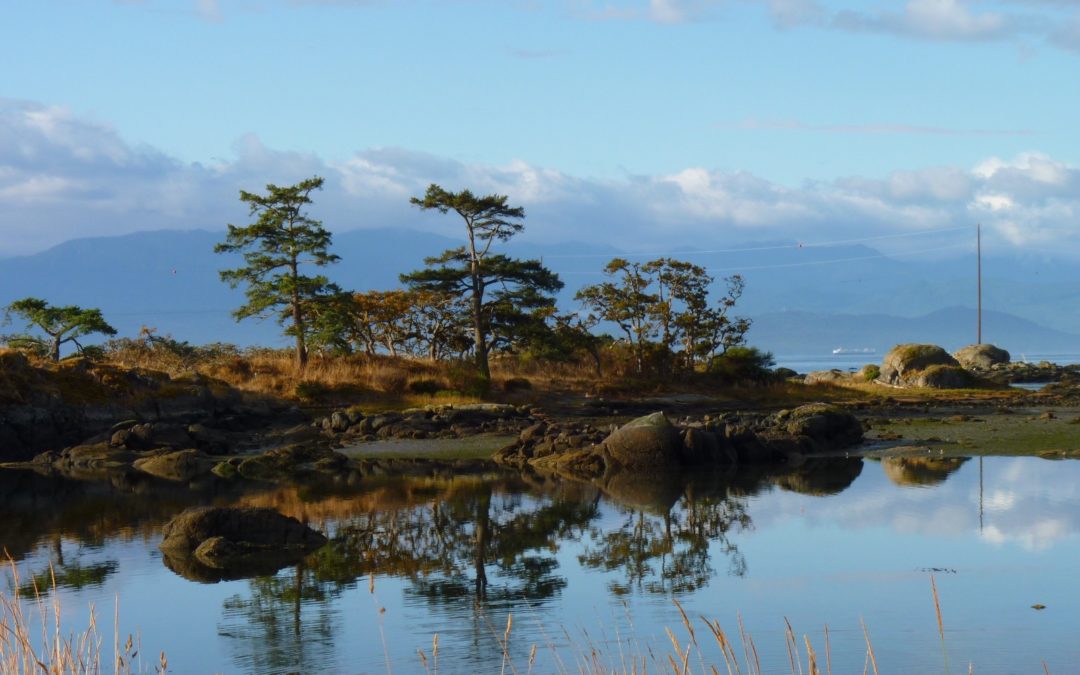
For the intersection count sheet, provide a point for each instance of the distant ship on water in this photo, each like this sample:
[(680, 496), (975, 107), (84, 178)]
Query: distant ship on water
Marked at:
[(840, 351)]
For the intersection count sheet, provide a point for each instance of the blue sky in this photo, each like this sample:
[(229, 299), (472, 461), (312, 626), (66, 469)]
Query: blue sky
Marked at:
[(729, 120)]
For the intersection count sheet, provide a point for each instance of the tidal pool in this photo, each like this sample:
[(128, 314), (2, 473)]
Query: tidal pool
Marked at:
[(589, 573)]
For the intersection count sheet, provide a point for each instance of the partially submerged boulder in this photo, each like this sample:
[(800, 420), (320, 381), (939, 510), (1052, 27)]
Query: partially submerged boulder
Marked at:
[(646, 442), (213, 543)]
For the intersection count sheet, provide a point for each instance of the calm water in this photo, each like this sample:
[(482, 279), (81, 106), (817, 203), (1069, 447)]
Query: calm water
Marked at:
[(585, 569)]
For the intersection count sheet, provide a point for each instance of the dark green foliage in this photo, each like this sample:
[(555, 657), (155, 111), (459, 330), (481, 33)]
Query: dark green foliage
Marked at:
[(281, 240), (60, 324), (426, 387), (310, 390), (468, 381), (517, 384), (664, 303), (742, 364)]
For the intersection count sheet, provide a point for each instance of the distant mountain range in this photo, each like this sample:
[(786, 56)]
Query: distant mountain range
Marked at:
[(802, 300)]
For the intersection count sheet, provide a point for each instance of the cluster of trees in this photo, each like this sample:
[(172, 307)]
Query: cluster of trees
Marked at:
[(473, 300), (662, 307), (468, 302)]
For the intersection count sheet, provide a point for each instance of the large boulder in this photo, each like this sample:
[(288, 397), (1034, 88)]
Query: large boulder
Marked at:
[(235, 542), (648, 441), (981, 357), (903, 363)]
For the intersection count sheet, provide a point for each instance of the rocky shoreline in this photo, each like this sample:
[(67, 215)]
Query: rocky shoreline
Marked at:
[(195, 430)]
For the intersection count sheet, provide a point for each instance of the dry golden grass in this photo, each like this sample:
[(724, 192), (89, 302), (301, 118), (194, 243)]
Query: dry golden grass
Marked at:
[(44, 646)]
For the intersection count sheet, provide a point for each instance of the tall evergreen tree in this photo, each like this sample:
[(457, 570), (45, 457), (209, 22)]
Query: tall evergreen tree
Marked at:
[(275, 246), (469, 271)]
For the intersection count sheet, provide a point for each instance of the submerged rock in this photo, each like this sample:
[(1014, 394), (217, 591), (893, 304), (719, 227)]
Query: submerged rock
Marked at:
[(210, 543), (182, 465)]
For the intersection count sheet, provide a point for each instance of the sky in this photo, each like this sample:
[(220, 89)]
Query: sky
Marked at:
[(650, 123)]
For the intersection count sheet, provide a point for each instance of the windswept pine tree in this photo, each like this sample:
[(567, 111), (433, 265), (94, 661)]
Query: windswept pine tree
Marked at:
[(517, 287), (282, 239), (60, 324)]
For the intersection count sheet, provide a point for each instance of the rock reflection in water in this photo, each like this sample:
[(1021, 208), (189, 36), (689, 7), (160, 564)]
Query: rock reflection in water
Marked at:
[(668, 532), (821, 477), (921, 471)]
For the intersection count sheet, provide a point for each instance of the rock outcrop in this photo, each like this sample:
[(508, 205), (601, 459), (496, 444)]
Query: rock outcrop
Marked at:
[(652, 443), (445, 421), (49, 407)]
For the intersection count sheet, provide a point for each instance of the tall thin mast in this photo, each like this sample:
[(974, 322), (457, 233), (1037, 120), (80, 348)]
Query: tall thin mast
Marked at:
[(978, 245)]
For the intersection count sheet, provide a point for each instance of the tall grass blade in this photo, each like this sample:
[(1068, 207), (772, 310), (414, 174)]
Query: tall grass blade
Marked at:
[(869, 646)]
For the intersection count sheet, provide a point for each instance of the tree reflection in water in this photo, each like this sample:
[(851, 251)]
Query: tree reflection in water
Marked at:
[(469, 540), (664, 548), (470, 544)]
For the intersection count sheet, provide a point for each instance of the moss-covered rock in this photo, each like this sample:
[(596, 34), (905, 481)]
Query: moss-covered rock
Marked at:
[(981, 357), (904, 361), (944, 377), (826, 426)]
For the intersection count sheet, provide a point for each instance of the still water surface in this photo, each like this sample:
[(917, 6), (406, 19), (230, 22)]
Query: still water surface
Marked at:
[(583, 569)]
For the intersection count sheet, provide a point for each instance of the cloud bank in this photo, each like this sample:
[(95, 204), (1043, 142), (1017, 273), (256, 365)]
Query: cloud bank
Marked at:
[(1054, 22), (63, 177)]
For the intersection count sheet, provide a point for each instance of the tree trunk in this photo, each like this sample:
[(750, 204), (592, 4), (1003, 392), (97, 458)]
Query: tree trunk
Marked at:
[(483, 534), (479, 330), (54, 352), (298, 318), (301, 348)]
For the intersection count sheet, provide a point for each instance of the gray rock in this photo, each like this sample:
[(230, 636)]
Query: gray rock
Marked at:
[(648, 441), (339, 422)]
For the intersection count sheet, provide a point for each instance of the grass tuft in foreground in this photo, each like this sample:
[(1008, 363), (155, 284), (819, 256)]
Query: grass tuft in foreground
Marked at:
[(34, 640)]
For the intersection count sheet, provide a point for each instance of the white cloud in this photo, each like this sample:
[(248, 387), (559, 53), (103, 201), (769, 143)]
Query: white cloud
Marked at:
[(63, 176), (930, 19)]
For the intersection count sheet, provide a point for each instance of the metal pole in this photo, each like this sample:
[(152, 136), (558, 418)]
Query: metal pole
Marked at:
[(978, 239)]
